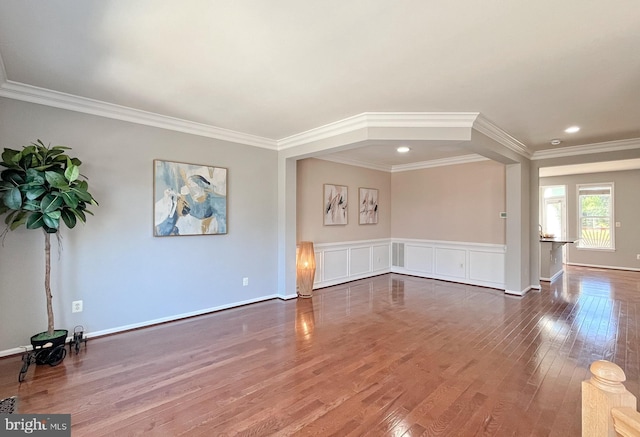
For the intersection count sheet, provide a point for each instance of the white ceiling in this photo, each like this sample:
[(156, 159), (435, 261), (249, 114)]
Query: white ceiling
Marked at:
[(275, 69)]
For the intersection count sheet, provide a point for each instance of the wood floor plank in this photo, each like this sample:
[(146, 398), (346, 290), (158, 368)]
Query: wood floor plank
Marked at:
[(391, 355)]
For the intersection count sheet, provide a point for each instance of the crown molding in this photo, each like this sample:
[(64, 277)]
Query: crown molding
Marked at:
[(379, 119), (406, 167), (340, 127), (490, 129), (355, 163), (465, 159), (42, 96), (585, 149)]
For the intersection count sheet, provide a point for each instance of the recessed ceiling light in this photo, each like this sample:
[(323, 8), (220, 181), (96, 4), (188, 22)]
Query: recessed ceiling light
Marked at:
[(572, 129), (555, 142), (403, 149)]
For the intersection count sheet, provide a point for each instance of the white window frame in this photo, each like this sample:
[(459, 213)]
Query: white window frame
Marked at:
[(612, 223)]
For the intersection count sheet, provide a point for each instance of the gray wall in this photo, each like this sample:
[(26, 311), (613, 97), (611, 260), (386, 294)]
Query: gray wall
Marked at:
[(124, 275), (626, 211)]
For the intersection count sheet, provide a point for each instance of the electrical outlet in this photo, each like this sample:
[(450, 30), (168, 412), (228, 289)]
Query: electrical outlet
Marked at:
[(245, 282), (638, 256), (76, 306)]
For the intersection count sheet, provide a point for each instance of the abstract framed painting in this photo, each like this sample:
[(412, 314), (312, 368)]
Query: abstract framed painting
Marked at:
[(335, 205), (189, 199), (368, 201)]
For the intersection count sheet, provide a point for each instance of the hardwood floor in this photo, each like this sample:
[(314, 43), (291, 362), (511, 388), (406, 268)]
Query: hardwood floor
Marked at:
[(391, 356)]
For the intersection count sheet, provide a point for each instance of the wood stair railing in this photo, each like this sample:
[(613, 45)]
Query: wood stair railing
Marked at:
[(608, 409)]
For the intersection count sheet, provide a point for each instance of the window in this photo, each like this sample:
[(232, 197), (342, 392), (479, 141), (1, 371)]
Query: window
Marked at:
[(553, 214), (595, 216)]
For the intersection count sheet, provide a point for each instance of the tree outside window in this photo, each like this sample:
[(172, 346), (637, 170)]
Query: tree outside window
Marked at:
[(595, 209)]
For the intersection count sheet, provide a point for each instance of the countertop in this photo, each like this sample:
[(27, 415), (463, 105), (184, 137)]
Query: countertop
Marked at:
[(556, 240)]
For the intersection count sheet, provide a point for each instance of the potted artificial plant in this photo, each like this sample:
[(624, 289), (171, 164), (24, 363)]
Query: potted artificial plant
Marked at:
[(41, 188)]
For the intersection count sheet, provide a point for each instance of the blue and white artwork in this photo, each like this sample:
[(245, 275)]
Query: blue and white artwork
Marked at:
[(189, 199)]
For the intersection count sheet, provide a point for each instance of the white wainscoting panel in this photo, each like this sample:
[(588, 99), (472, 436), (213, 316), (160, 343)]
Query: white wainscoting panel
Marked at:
[(360, 258), (451, 262), (486, 266), (467, 263), (337, 263), (418, 258), (381, 260)]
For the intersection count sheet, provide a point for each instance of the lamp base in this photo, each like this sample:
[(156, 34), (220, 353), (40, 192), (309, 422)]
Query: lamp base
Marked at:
[(305, 282)]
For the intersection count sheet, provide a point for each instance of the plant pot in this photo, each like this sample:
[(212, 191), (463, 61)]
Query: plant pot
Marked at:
[(49, 344)]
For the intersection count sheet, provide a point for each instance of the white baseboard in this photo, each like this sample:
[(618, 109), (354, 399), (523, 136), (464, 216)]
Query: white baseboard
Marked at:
[(554, 277), (287, 297), (630, 269), (22, 349), (518, 293)]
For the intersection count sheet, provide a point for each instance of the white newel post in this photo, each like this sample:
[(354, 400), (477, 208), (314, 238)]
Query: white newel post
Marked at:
[(600, 394)]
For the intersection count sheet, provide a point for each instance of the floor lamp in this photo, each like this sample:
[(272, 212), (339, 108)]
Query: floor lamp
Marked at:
[(305, 268)]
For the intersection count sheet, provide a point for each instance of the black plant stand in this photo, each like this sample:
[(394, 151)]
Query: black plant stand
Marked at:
[(50, 351)]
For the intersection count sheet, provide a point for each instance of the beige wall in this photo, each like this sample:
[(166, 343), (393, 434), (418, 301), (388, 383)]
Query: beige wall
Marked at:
[(312, 174), (451, 203)]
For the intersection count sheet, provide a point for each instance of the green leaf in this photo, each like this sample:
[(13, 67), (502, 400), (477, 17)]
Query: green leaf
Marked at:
[(31, 205), (34, 193), (70, 199), (80, 214), (54, 214), (55, 151), (34, 177), (7, 157), (57, 180), (50, 203), (72, 172), (18, 220), (16, 177), (69, 218), (15, 159), (13, 198), (9, 218), (43, 167), (29, 150), (81, 192), (51, 222), (35, 221)]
